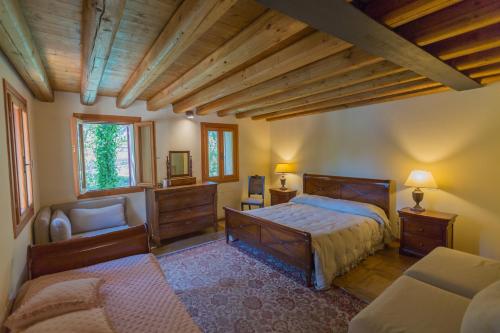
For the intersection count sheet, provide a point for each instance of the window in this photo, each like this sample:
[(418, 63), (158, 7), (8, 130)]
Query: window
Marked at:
[(112, 154), (20, 166), (219, 145)]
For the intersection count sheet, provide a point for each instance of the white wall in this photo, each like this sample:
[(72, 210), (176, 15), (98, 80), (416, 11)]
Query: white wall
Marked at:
[(455, 135), (12, 251), (173, 132)]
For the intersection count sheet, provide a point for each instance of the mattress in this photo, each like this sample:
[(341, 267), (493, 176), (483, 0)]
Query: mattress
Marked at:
[(136, 296), (341, 238)]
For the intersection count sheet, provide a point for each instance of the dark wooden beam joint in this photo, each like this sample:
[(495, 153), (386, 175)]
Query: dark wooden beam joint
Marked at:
[(343, 20)]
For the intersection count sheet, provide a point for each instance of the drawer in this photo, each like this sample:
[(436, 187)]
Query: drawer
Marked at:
[(419, 244), (170, 230), (186, 213), (423, 228), (185, 199)]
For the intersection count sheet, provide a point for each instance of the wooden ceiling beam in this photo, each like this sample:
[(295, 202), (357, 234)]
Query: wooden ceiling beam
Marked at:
[(354, 26), (336, 64), (394, 13), (374, 84), (413, 10), (266, 34), (462, 18), (472, 42), (18, 45), (366, 73), (488, 70), (374, 101), (490, 79), (100, 21), (309, 49), (367, 95), (477, 59), (189, 22)]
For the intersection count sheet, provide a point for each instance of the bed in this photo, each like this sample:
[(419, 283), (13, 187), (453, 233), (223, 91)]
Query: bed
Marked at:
[(315, 233), (135, 295)]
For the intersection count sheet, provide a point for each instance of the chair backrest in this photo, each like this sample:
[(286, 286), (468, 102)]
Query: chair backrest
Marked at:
[(256, 185)]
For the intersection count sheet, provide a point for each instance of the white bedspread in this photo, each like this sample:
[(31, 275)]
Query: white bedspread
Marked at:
[(340, 238)]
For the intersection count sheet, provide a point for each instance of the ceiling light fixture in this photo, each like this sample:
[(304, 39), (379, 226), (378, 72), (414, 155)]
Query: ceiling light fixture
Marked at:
[(190, 114)]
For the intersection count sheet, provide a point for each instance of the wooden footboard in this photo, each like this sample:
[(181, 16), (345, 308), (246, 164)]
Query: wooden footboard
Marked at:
[(289, 245), (81, 252)]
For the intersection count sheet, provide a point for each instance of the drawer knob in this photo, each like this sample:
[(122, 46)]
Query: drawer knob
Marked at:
[(421, 229)]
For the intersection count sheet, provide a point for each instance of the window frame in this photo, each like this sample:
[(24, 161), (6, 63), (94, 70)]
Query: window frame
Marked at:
[(220, 128), (19, 220), (121, 120)]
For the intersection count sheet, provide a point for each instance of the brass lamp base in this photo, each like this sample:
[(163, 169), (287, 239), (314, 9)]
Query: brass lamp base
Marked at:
[(283, 183), (418, 196)]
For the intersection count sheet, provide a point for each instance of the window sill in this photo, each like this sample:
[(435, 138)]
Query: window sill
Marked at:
[(114, 191)]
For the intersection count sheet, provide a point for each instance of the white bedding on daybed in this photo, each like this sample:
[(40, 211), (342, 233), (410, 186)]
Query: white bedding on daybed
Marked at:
[(343, 232)]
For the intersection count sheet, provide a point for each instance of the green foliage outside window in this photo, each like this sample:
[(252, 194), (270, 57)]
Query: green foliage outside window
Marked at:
[(103, 144)]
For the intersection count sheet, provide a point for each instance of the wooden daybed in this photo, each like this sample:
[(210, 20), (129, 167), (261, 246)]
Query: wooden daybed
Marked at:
[(135, 294), (294, 246)]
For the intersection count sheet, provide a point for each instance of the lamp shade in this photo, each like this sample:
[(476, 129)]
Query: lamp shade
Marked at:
[(421, 178), (285, 168)]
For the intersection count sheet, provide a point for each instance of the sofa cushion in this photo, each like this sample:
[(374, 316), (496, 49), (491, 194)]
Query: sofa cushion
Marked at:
[(483, 313), (459, 272), (100, 232), (90, 219), (55, 300), (85, 321), (411, 306), (60, 227)]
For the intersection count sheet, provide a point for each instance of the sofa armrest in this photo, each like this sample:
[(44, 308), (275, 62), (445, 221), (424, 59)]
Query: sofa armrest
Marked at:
[(41, 226)]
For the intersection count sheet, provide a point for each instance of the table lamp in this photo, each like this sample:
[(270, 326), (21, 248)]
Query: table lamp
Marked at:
[(284, 168), (420, 179)]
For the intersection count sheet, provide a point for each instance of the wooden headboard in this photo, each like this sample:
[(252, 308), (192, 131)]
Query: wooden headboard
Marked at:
[(373, 191)]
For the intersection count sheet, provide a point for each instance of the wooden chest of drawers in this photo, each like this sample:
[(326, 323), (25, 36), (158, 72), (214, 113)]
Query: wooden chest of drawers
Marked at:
[(422, 232), (281, 196), (180, 210)]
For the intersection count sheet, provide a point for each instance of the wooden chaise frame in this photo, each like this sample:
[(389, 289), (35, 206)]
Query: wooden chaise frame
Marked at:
[(293, 246), (81, 252)]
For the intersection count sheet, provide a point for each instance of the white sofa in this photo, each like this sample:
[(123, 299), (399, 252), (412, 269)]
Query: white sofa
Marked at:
[(431, 296), (97, 216)]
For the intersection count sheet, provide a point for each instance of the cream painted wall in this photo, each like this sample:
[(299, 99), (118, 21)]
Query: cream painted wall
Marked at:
[(12, 251), (455, 135), (173, 132)]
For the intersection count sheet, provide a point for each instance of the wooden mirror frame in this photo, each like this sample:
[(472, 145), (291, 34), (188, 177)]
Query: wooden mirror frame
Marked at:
[(169, 164)]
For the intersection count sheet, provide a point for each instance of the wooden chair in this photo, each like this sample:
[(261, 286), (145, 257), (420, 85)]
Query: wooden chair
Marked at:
[(255, 187)]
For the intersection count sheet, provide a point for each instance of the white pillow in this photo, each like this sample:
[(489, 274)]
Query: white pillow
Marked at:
[(483, 313), (60, 227), (90, 219)]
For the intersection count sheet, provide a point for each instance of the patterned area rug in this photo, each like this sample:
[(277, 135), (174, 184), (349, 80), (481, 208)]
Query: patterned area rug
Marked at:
[(234, 288)]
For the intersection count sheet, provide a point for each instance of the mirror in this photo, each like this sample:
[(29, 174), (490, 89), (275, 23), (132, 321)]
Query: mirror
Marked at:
[(179, 164)]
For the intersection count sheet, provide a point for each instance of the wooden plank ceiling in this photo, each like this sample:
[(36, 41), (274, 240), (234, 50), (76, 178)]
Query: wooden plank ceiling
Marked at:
[(239, 58)]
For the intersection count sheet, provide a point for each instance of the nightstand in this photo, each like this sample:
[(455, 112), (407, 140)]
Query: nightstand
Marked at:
[(422, 232), (281, 196)]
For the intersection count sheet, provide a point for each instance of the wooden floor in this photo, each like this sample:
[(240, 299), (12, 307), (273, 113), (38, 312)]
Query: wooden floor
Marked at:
[(366, 281)]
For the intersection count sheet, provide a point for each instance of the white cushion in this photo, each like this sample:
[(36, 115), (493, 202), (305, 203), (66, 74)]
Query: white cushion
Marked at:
[(458, 272), (90, 219), (483, 313), (411, 306), (60, 227)]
